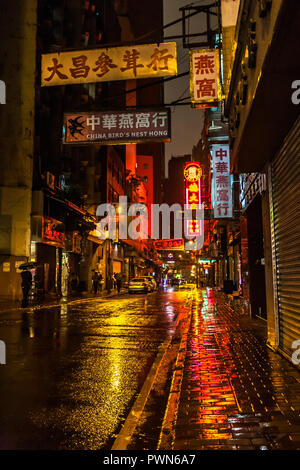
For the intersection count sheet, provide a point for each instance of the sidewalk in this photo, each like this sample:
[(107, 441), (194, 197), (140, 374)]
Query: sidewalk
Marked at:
[(233, 392)]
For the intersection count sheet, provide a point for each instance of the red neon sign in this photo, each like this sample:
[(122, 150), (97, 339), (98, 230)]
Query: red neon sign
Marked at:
[(193, 173)]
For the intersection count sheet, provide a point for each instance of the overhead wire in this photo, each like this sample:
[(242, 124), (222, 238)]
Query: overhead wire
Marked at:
[(181, 61)]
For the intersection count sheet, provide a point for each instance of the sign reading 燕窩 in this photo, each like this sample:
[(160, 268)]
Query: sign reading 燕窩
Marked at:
[(116, 127), (205, 83), (221, 183), (115, 63)]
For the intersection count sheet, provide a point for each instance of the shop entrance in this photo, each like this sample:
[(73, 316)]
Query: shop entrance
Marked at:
[(256, 259)]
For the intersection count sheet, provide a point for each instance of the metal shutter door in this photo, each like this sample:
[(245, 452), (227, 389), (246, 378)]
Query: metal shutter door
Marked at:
[(286, 211)]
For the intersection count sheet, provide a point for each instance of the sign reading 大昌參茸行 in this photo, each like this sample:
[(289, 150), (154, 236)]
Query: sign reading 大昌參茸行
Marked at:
[(115, 127), (115, 63)]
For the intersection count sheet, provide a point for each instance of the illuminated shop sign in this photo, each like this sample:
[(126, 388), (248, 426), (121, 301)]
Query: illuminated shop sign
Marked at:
[(172, 244), (192, 174), (205, 86), (53, 232), (251, 184), (114, 63), (116, 127), (221, 181)]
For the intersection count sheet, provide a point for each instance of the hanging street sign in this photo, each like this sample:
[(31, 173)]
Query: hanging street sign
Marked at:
[(251, 184), (53, 232), (205, 86), (117, 127), (114, 63), (221, 181), (192, 174), (175, 244)]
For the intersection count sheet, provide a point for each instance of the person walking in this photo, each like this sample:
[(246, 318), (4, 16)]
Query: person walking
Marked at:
[(100, 278), (119, 283), (26, 286), (74, 281), (115, 280), (95, 279)]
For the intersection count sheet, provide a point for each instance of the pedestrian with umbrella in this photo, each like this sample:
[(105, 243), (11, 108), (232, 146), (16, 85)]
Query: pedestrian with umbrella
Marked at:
[(26, 282)]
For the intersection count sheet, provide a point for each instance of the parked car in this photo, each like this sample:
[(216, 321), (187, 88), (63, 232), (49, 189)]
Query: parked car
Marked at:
[(139, 284), (152, 282), (184, 284)]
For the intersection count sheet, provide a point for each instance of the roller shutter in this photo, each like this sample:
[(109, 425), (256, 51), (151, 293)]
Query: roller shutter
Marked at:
[(286, 219)]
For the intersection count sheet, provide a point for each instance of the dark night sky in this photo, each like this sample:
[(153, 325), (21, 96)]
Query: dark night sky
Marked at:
[(186, 122)]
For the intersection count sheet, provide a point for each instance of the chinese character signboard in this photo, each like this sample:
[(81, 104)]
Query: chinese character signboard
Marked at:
[(251, 184), (117, 63), (221, 185), (172, 244), (192, 174), (116, 127), (53, 232), (205, 84)]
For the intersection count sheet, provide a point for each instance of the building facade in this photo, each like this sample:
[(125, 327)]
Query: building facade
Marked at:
[(265, 148), (49, 197)]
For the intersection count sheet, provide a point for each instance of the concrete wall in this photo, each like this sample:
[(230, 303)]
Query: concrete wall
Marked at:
[(17, 69)]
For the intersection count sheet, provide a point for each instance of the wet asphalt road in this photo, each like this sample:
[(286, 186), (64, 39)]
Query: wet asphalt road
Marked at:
[(73, 371)]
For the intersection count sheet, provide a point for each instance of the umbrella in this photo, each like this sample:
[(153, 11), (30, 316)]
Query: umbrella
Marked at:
[(28, 265)]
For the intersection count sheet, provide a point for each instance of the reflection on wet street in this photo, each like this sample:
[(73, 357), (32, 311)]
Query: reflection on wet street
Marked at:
[(235, 394), (73, 371)]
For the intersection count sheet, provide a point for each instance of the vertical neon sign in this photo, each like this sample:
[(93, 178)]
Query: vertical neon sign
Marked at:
[(192, 174)]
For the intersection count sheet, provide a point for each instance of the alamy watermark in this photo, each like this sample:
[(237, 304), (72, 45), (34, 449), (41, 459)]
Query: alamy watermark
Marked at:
[(296, 94), (2, 92), (296, 354), (2, 352), (112, 218)]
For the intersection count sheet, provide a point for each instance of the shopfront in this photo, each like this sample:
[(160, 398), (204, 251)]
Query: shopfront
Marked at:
[(47, 244), (285, 217), (253, 196)]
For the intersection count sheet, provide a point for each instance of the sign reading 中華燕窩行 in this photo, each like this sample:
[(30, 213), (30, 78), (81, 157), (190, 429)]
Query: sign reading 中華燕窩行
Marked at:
[(221, 184), (115, 127), (205, 86), (115, 63)]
